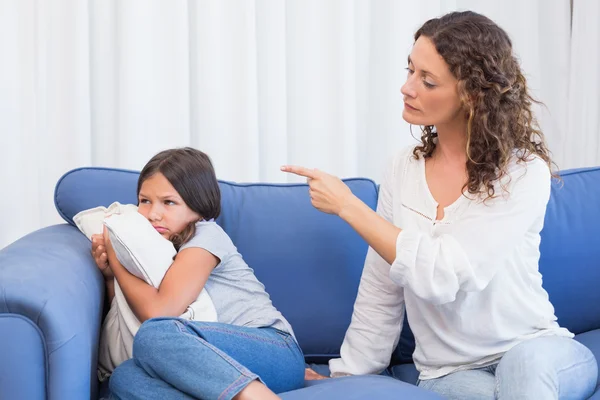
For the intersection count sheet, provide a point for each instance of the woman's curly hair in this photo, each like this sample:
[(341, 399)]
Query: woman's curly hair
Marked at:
[(494, 94)]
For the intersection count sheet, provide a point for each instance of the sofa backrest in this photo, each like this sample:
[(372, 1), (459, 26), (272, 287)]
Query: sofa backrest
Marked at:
[(309, 262), (570, 249)]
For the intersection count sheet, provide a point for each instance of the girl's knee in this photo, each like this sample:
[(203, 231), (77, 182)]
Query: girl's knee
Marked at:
[(152, 336), (121, 379)]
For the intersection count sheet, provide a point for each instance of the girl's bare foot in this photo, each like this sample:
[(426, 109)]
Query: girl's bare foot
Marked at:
[(256, 391)]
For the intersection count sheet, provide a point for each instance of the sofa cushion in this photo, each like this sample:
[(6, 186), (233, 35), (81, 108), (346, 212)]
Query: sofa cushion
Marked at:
[(310, 262), (360, 388), (405, 372), (570, 249)]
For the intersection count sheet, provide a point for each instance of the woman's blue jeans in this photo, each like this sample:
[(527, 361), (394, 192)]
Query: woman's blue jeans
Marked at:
[(179, 359), (550, 367)]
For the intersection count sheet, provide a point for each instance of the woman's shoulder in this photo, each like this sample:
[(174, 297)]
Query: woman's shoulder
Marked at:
[(405, 154), (527, 166), (400, 162)]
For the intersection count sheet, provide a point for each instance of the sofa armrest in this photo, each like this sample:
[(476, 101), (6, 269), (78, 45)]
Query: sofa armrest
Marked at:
[(50, 279)]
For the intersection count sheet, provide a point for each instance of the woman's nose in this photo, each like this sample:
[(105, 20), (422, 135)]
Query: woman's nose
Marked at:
[(408, 89)]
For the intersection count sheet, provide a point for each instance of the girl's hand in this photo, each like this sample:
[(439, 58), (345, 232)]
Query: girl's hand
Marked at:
[(327, 192), (107, 242), (311, 375), (100, 256)]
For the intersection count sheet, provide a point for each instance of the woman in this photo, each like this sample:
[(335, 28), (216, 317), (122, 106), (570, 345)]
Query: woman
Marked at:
[(455, 240)]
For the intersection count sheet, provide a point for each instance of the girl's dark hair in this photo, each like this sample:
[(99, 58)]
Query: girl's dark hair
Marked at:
[(191, 173), (494, 94)]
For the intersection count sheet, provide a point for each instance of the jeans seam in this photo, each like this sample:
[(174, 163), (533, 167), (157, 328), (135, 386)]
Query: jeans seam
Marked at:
[(575, 365), (277, 343), (572, 366), (239, 367), (241, 381)]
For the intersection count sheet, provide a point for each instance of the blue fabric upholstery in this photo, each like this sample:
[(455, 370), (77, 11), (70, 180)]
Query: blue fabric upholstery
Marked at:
[(289, 243), (367, 387), (570, 250), (27, 378), (49, 280), (52, 293)]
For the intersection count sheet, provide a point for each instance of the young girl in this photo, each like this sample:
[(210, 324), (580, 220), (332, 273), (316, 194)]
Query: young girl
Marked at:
[(455, 240), (251, 352)]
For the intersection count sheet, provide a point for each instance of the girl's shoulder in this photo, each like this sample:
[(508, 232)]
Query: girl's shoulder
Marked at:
[(210, 235)]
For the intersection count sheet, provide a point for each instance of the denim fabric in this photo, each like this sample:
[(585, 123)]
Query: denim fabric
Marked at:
[(549, 367), (179, 359)]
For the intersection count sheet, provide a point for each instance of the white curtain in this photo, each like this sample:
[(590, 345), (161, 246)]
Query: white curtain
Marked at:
[(580, 143), (255, 84)]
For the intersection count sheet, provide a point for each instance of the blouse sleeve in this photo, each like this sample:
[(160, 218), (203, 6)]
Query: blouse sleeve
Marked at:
[(378, 311)]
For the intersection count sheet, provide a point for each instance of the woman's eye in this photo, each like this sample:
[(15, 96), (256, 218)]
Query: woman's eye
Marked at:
[(428, 85), (410, 71), (144, 201), (169, 203)]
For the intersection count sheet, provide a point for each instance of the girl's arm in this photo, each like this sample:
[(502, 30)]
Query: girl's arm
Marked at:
[(181, 285), (110, 290)]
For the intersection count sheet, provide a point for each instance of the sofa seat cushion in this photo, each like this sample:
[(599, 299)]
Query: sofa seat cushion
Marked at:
[(365, 387), (405, 372)]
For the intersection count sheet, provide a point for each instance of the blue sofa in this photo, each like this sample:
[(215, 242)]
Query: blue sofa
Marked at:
[(51, 302)]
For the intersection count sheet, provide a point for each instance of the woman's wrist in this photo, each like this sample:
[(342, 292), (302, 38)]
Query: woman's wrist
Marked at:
[(350, 207)]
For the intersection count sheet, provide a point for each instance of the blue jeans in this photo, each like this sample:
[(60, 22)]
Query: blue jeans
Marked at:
[(550, 367), (179, 359)]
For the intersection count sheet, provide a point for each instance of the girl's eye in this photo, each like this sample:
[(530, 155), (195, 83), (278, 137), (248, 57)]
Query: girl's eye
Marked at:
[(169, 202), (144, 201)]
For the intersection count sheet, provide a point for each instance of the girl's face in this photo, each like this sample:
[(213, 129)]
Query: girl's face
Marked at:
[(160, 203)]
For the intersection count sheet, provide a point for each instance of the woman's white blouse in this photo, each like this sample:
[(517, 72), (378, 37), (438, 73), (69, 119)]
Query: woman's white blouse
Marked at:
[(469, 283)]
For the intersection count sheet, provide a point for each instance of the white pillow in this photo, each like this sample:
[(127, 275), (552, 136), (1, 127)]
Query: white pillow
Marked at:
[(146, 254), (139, 247), (90, 222)]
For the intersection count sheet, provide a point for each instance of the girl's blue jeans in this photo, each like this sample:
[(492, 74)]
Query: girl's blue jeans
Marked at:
[(179, 359)]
